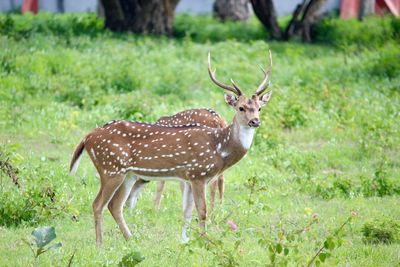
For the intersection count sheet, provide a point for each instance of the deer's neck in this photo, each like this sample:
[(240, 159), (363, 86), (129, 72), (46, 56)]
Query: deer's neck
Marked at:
[(235, 141)]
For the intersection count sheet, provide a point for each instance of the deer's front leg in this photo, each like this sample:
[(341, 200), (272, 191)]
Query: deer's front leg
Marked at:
[(199, 195), (187, 206)]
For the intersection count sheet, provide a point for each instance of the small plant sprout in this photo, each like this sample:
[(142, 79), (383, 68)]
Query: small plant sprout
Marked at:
[(42, 237), (330, 243)]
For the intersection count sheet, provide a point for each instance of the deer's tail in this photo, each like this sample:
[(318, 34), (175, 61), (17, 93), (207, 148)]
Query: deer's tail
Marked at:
[(76, 157)]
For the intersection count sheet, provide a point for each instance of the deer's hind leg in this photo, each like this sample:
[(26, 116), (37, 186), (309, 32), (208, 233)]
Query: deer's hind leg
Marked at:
[(115, 206), (159, 193), (218, 183), (109, 185), (134, 193)]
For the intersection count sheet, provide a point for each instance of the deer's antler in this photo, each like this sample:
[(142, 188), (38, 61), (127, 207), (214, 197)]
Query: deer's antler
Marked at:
[(235, 89), (264, 84)]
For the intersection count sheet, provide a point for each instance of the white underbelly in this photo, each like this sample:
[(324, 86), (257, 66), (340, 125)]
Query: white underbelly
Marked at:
[(157, 178)]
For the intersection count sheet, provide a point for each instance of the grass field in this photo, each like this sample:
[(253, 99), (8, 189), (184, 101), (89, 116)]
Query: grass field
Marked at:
[(327, 151)]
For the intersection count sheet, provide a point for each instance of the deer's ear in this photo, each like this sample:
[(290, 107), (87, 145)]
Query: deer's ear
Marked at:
[(265, 98), (230, 99)]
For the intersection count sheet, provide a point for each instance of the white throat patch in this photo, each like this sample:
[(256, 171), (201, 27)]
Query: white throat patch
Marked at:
[(246, 135)]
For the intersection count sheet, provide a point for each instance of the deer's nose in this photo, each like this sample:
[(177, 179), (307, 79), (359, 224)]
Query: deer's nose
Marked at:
[(254, 122)]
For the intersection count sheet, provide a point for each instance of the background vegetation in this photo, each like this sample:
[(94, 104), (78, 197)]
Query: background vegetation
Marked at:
[(321, 179)]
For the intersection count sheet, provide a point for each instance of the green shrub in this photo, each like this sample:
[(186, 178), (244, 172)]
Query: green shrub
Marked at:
[(31, 205), (388, 62), (69, 24), (379, 185), (29, 201), (341, 186), (81, 97), (344, 186), (383, 230), (371, 32), (124, 82), (396, 28), (205, 28), (294, 115)]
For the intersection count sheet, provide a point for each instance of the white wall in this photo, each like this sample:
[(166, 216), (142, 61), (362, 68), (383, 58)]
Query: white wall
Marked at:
[(283, 7), (286, 7), (7, 5), (193, 6), (51, 5)]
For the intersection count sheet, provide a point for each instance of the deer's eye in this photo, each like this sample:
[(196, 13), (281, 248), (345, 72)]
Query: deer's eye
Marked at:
[(241, 109), (259, 109)]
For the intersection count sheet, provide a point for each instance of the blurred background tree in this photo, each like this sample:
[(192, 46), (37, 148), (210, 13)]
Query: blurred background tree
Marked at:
[(367, 7), (234, 10), (150, 16), (303, 17), (157, 16), (265, 12), (60, 6)]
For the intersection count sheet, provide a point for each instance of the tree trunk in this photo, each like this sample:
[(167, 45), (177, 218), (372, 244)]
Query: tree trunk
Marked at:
[(303, 18), (235, 10), (293, 24), (265, 12), (12, 5), (309, 12), (367, 7), (140, 16), (60, 6), (310, 16)]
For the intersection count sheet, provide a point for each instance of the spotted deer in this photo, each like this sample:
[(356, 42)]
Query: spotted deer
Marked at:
[(205, 117), (195, 154)]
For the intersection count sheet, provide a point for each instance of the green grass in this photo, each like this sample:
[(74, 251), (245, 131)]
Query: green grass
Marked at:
[(328, 144)]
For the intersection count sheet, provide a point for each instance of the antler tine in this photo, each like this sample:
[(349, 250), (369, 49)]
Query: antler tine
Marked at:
[(262, 69), (264, 84), (234, 89)]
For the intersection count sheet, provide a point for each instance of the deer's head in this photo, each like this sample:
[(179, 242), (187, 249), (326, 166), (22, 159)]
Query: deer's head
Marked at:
[(247, 108)]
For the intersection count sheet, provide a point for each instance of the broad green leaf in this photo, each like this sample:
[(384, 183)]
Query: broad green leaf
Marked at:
[(329, 243), (272, 257), (131, 259), (285, 251), (279, 248), (44, 235), (322, 256)]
